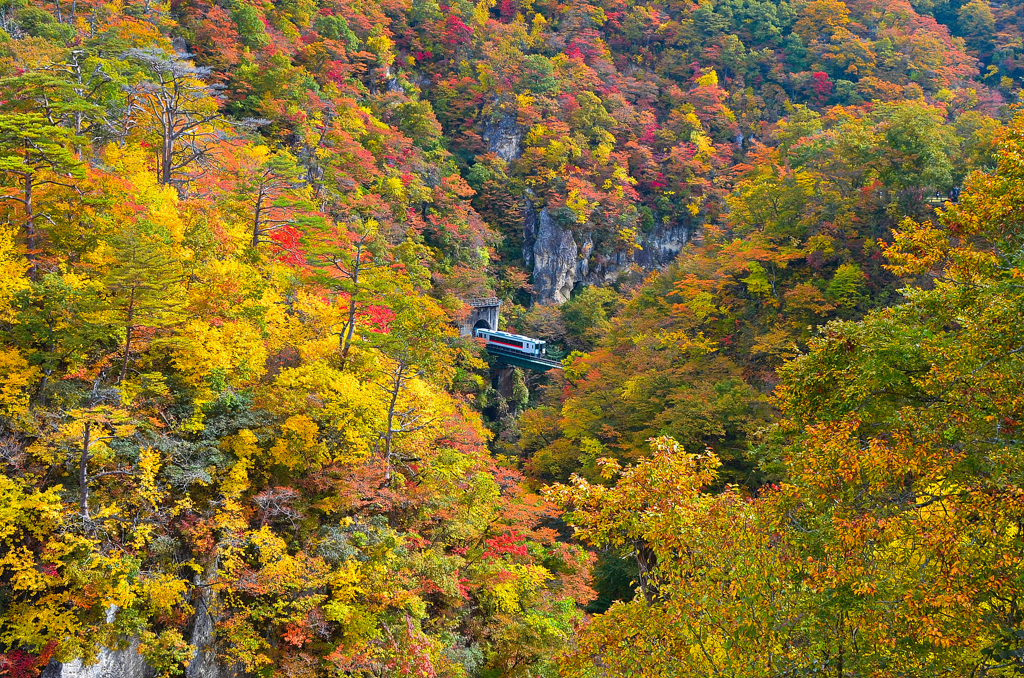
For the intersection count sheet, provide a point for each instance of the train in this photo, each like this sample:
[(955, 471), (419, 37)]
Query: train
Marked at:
[(516, 344)]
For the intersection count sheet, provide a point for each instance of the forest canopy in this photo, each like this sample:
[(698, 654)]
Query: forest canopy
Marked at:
[(773, 246)]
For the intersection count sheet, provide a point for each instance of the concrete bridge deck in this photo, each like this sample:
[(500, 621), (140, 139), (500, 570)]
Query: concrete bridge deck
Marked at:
[(510, 357)]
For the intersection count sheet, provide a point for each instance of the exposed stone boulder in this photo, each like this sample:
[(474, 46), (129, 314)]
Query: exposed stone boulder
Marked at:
[(556, 261), (561, 259), (204, 664), (504, 137), (126, 663), (658, 248)]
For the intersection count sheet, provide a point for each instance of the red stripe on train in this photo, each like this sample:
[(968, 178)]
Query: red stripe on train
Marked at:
[(503, 343)]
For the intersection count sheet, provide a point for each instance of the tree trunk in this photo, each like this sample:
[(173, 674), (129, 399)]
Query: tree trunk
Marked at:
[(646, 562), (81, 92), (30, 226), (389, 436), (256, 220), (43, 383), (347, 339), (83, 475), (167, 151), (128, 336)]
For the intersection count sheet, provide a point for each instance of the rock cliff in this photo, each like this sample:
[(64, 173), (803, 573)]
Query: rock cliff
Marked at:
[(561, 258), (128, 663), (504, 137)]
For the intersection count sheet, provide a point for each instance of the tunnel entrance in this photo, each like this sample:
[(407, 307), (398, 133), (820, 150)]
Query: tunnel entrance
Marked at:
[(483, 314)]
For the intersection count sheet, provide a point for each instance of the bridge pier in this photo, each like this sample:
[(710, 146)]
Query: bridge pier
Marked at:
[(504, 380)]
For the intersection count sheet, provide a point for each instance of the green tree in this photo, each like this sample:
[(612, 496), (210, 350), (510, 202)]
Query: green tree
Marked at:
[(80, 92), (269, 188), (34, 153), (586, 315), (144, 283), (250, 25), (60, 324), (977, 24)]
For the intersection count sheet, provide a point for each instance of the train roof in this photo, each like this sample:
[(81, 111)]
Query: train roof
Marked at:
[(509, 335)]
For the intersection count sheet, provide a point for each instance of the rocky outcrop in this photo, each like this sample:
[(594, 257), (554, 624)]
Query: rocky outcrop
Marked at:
[(204, 665), (126, 663), (557, 264), (562, 259), (122, 663), (504, 137), (660, 246)]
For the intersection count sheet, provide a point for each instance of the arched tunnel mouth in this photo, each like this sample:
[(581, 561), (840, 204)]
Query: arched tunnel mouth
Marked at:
[(481, 325)]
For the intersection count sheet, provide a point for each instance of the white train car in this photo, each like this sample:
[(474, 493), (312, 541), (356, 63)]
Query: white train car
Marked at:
[(513, 343)]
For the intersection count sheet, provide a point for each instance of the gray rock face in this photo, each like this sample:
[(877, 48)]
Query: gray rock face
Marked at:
[(204, 664), (529, 230), (660, 247), (561, 259), (126, 663), (504, 138), (556, 261)]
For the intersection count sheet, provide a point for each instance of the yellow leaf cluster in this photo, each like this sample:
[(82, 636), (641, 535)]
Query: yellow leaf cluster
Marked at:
[(329, 399), (234, 350), (516, 583), (12, 272), (16, 378)]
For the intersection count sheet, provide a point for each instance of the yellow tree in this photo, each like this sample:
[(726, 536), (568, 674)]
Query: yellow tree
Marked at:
[(714, 595)]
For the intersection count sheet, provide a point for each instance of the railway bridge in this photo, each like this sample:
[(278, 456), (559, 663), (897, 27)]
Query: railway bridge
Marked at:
[(484, 315), (513, 357)]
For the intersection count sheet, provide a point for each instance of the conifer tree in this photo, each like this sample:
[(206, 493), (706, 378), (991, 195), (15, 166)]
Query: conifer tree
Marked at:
[(34, 153), (144, 283)]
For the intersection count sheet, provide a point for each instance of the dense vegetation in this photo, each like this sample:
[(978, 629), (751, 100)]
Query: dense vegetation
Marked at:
[(238, 427), (892, 544)]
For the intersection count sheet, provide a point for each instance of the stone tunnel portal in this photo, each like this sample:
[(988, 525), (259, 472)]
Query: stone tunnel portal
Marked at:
[(483, 314)]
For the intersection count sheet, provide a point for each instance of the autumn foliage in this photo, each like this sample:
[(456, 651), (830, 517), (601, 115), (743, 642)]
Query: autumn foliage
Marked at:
[(237, 425)]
